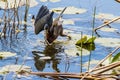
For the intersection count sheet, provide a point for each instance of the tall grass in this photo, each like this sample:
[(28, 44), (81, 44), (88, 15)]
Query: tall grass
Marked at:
[(93, 25), (11, 18), (26, 12), (81, 52)]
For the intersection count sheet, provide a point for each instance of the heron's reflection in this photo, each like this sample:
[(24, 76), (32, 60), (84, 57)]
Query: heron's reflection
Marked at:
[(52, 51)]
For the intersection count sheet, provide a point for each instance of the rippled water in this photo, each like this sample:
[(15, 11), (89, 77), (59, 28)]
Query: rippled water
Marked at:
[(63, 53)]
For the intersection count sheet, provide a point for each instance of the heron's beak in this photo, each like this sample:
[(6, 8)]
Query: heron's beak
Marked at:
[(33, 19)]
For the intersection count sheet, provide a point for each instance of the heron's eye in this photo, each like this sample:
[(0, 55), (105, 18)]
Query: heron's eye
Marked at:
[(33, 17)]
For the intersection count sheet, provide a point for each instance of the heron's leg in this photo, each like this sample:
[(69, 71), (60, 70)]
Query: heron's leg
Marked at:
[(45, 33), (64, 35)]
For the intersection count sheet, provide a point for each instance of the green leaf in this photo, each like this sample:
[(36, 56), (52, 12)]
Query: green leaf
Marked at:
[(116, 58), (86, 44), (82, 40), (91, 40)]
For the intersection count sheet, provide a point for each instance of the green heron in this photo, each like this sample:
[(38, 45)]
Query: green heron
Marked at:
[(44, 21)]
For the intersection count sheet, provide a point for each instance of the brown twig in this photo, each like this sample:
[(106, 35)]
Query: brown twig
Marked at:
[(107, 23), (74, 75), (53, 73), (110, 54)]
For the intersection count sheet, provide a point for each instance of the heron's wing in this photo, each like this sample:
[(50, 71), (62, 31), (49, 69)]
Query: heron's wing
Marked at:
[(50, 19), (42, 12), (43, 17), (54, 30)]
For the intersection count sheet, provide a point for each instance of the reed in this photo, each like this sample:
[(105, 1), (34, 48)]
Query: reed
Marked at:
[(11, 18), (26, 13), (93, 25), (81, 52)]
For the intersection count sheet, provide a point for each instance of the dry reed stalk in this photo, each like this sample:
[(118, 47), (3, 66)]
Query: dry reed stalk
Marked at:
[(67, 75), (26, 12), (110, 54), (97, 76), (106, 68), (53, 73), (107, 23), (5, 21), (75, 75), (10, 17)]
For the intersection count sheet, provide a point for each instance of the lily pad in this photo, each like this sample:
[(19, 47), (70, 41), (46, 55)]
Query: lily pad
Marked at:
[(68, 21), (107, 17), (33, 3), (14, 68), (6, 54), (69, 10), (74, 51), (70, 47), (108, 42), (106, 29), (50, 0), (86, 44), (81, 41), (92, 64)]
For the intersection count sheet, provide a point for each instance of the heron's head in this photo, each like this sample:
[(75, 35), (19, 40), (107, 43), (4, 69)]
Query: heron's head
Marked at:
[(33, 19)]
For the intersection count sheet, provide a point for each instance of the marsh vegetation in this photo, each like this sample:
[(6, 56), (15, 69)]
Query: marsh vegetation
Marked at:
[(92, 53)]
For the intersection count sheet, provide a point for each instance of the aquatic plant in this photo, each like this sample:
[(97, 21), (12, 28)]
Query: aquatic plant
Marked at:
[(87, 43)]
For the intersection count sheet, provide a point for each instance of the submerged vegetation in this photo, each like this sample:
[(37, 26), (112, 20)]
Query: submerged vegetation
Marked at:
[(19, 60)]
